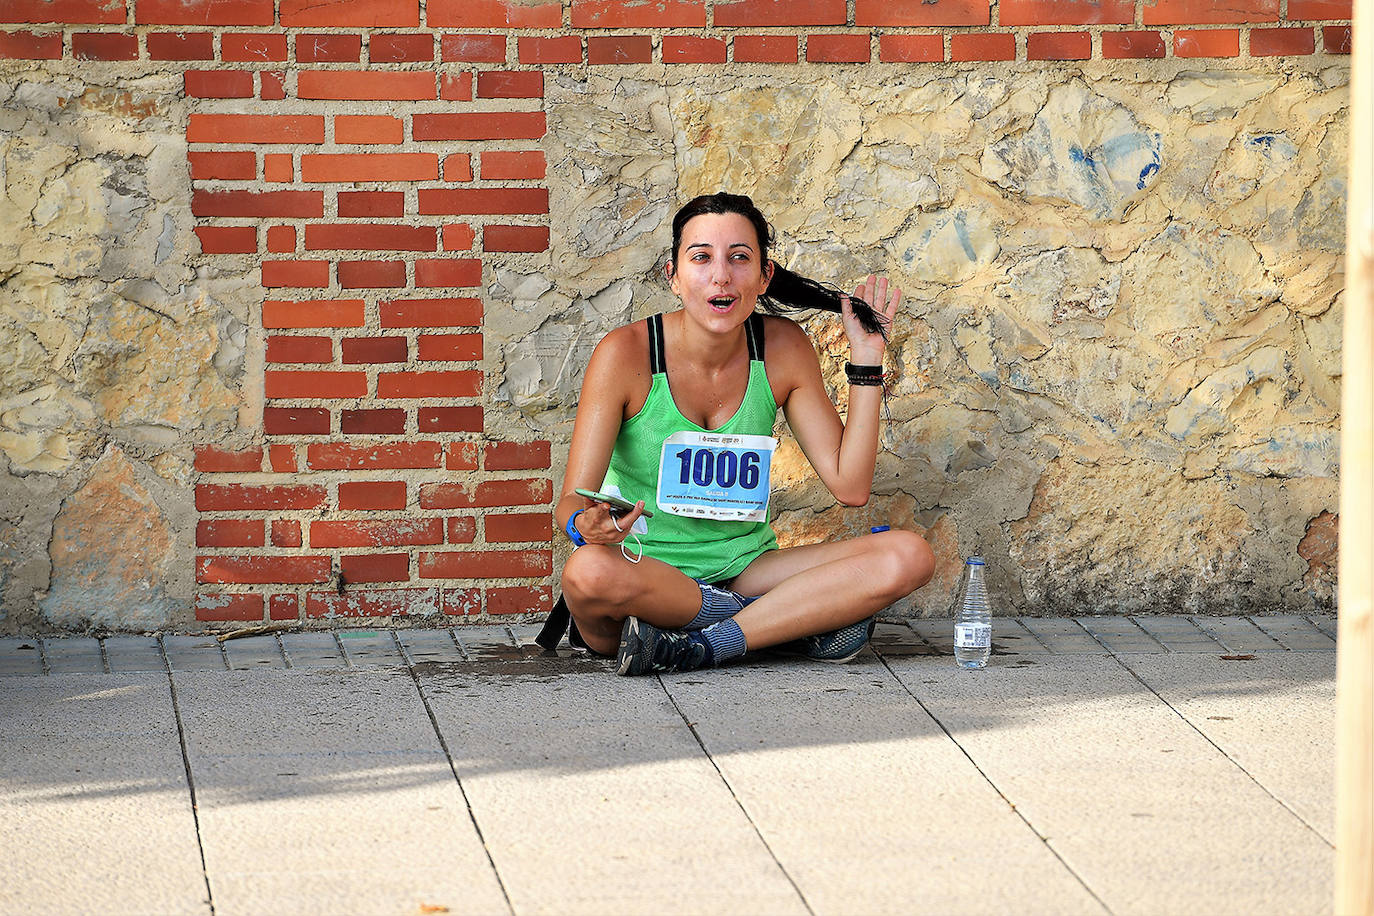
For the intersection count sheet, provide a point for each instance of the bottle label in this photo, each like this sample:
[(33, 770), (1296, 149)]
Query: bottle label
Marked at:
[(972, 635)]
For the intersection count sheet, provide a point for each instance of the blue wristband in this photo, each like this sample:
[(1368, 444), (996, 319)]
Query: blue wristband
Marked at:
[(573, 534)]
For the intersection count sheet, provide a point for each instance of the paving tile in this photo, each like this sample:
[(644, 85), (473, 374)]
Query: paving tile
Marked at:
[(897, 639), (72, 655), (254, 652), (938, 633), (133, 653), (1120, 634), (370, 648), (1324, 622), (194, 653), (1063, 636), (20, 656), (312, 650), (430, 646), (490, 643), (1179, 634), (1011, 634), (1295, 632), (1238, 635)]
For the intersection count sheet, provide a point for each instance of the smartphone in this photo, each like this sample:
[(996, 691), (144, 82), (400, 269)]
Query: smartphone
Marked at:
[(615, 502)]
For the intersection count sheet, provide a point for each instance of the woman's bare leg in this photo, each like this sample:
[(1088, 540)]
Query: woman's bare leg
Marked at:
[(602, 588)]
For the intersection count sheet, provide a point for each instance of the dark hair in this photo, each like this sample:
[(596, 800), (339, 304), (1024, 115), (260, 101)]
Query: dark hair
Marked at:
[(787, 292)]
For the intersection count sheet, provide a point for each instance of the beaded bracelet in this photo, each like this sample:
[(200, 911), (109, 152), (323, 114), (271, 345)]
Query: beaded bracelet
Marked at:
[(864, 375)]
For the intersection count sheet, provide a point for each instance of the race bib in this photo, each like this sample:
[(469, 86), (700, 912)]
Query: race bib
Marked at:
[(722, 477)]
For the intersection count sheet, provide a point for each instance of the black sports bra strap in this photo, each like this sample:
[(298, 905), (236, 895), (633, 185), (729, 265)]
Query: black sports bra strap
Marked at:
[(753, 332), (656, 361)]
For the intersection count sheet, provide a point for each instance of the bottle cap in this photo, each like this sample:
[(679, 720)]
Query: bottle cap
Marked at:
[(876, 528), (975, 561)]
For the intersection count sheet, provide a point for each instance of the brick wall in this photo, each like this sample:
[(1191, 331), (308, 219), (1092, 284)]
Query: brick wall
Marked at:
[(376, 158)]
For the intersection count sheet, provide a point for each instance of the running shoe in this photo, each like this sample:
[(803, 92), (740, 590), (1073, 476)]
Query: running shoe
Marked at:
[(836, 646), (645, 648)]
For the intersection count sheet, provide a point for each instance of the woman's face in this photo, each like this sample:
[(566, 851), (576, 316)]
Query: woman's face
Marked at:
[(719, 274)]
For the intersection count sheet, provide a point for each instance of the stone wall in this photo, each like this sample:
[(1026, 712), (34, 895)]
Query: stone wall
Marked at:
[(299, 295)]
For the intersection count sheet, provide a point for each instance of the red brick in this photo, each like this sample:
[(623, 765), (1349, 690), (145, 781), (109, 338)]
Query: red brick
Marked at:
[(1066, 12), (368, 129), (566, 49), (922, 12), (272, 84), (510, 84), (349, 13), (230, 532), (358, 350), (431, 313), (526, 492), (392, 48), (211, 606), (486, 564), (459, 237), (473, 49), (261, 570), (331, 313), (460, 456), (838, 49), (204, 12), (227, 239), (373, 421), (242, 497), (344, 456), (300, 350), (372, 274), (329, 49), (345, 167), (450, 419), (755, 13), (373, 602), (455, 87), (458, 167), (282, 458), (462, 530), (244, 128), (372, 494), (295, 421), (457, 383), (1124, 45), (391, 532), (104, 46), (375, 567), (909, 49), (516, 456), (1059, 46), (34, 46), (693, 49), (371, 203), (462, 601), (223, 166), (245, 46), (318, 383), (638, 14), (278, 167), (434, 273), (513, 166), (493, 125), (363, 85), (295, 274), (620, 49), (1207, 43), (283, 607), (494, 14), (111, 12), (519, 527), (449, 347), (1336, 39), (465, 201), (983, 46), (370, 237), (1274, 42), (181, 46), (1299, 10), (1177, 12), (213, 459), (523, 599), (765, 49), (286, 532)]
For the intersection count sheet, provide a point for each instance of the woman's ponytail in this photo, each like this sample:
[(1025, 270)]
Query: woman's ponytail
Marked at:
[(790, 292)]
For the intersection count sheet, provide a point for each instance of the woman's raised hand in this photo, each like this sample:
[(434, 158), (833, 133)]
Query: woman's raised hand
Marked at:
[(866, 349)]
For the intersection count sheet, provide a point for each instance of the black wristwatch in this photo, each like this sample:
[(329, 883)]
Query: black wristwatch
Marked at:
[(573, 534)]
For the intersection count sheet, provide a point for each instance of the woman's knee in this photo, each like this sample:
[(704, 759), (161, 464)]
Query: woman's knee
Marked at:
[(910, 561), (592, 574)]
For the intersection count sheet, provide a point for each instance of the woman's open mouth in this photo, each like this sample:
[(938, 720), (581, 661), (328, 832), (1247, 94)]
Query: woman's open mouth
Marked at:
[(721, 303)]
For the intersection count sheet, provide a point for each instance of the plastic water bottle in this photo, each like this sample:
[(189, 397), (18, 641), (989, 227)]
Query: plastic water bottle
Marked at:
[(973, 625)]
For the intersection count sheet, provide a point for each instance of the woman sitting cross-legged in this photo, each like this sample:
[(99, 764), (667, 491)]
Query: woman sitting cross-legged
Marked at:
[(676, 415)]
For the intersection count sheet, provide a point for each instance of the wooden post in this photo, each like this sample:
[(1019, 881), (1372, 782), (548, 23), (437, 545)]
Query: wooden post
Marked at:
[(1355, 603)]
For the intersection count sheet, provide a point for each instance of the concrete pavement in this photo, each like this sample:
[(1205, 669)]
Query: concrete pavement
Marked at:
[(1101, 764)]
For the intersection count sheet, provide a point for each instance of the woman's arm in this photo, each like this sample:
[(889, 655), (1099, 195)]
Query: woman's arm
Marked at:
[(844, 453)]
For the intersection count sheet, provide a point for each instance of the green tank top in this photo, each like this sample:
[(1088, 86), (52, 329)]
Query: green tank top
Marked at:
[(702, 548)]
